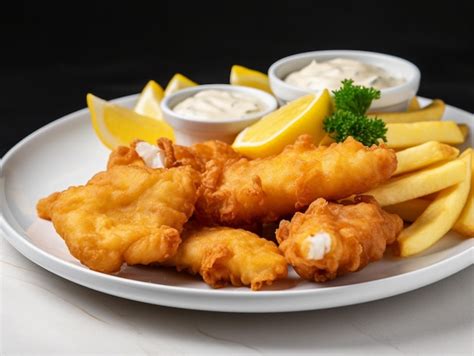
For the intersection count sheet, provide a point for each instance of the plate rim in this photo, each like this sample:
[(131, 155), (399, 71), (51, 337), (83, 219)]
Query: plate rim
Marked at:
[(377, 289), (72, 272)]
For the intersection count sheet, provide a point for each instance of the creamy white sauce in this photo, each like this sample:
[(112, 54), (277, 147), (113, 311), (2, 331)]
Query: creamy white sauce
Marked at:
[(219, 105), (318, 245), (150, 154), (329, 74)]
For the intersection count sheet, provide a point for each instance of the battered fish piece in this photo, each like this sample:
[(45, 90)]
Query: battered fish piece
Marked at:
[(125, 156), (238, 191), (331, 239), (172, 155), (130, 214), (198, 155), (222, 255)]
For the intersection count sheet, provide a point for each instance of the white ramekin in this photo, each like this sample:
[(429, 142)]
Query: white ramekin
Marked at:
[(189, 130), (392, 99)]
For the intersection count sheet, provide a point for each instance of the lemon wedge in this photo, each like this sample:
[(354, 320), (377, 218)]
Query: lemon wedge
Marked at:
[(247, 77), (274, 131), (177, 83), (116, 125), (148, 103)]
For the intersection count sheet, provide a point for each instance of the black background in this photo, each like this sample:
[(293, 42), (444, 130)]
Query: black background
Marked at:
[(53, 54)]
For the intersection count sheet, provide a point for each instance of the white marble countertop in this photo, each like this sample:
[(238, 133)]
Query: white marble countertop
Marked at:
[(45, 314)]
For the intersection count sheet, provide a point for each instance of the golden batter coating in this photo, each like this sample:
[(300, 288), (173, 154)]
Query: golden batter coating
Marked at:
[(241, 192), (196, 156), (223, 255), (358, 232), (129, 214)]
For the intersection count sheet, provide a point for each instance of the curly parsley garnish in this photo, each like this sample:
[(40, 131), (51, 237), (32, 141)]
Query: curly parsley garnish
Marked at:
[(349, 119)]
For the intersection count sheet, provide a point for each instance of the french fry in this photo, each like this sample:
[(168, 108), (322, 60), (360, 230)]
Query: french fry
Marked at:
[(412, 134), (464, 130), (439, 217), (420, 183), (414, 104), (424, 155), (431, 196), (465, 223), (409, 210), (457, 138), (432, 112)]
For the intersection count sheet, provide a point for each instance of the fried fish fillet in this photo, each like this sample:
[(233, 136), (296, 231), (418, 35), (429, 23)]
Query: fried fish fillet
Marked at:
[(172, 155), (332, 239), (222, 255), (125, 156), (197, 155), (130, 214), (237, 191)]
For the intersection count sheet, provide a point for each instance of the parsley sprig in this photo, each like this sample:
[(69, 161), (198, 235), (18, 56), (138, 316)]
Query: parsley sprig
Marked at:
[(349, 119)]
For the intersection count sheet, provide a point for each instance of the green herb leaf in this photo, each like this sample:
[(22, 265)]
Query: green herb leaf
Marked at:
[(342, 124), (349, 119), (354, 98)]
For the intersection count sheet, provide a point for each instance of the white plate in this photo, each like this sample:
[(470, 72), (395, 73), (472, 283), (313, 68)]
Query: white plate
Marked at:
[(66, 152)]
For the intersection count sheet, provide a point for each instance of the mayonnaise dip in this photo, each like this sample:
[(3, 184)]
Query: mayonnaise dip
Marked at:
[(318, 245), (219, 105), (329, 74)]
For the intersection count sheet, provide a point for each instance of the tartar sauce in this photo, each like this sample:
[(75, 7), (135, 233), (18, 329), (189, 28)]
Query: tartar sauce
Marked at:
[(219, 105), (318, 245), (329, 74)]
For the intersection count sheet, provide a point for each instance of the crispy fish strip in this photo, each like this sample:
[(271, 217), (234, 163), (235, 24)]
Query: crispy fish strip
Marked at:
[(358, 233), (238, 191), (129, 214), (222, 255), (125, 156), (198, 155)]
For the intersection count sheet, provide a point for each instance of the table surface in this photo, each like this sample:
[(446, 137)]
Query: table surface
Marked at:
[(42, 313)]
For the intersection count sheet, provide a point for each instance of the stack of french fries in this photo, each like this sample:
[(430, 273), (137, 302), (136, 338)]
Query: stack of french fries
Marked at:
[(433, 185)]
